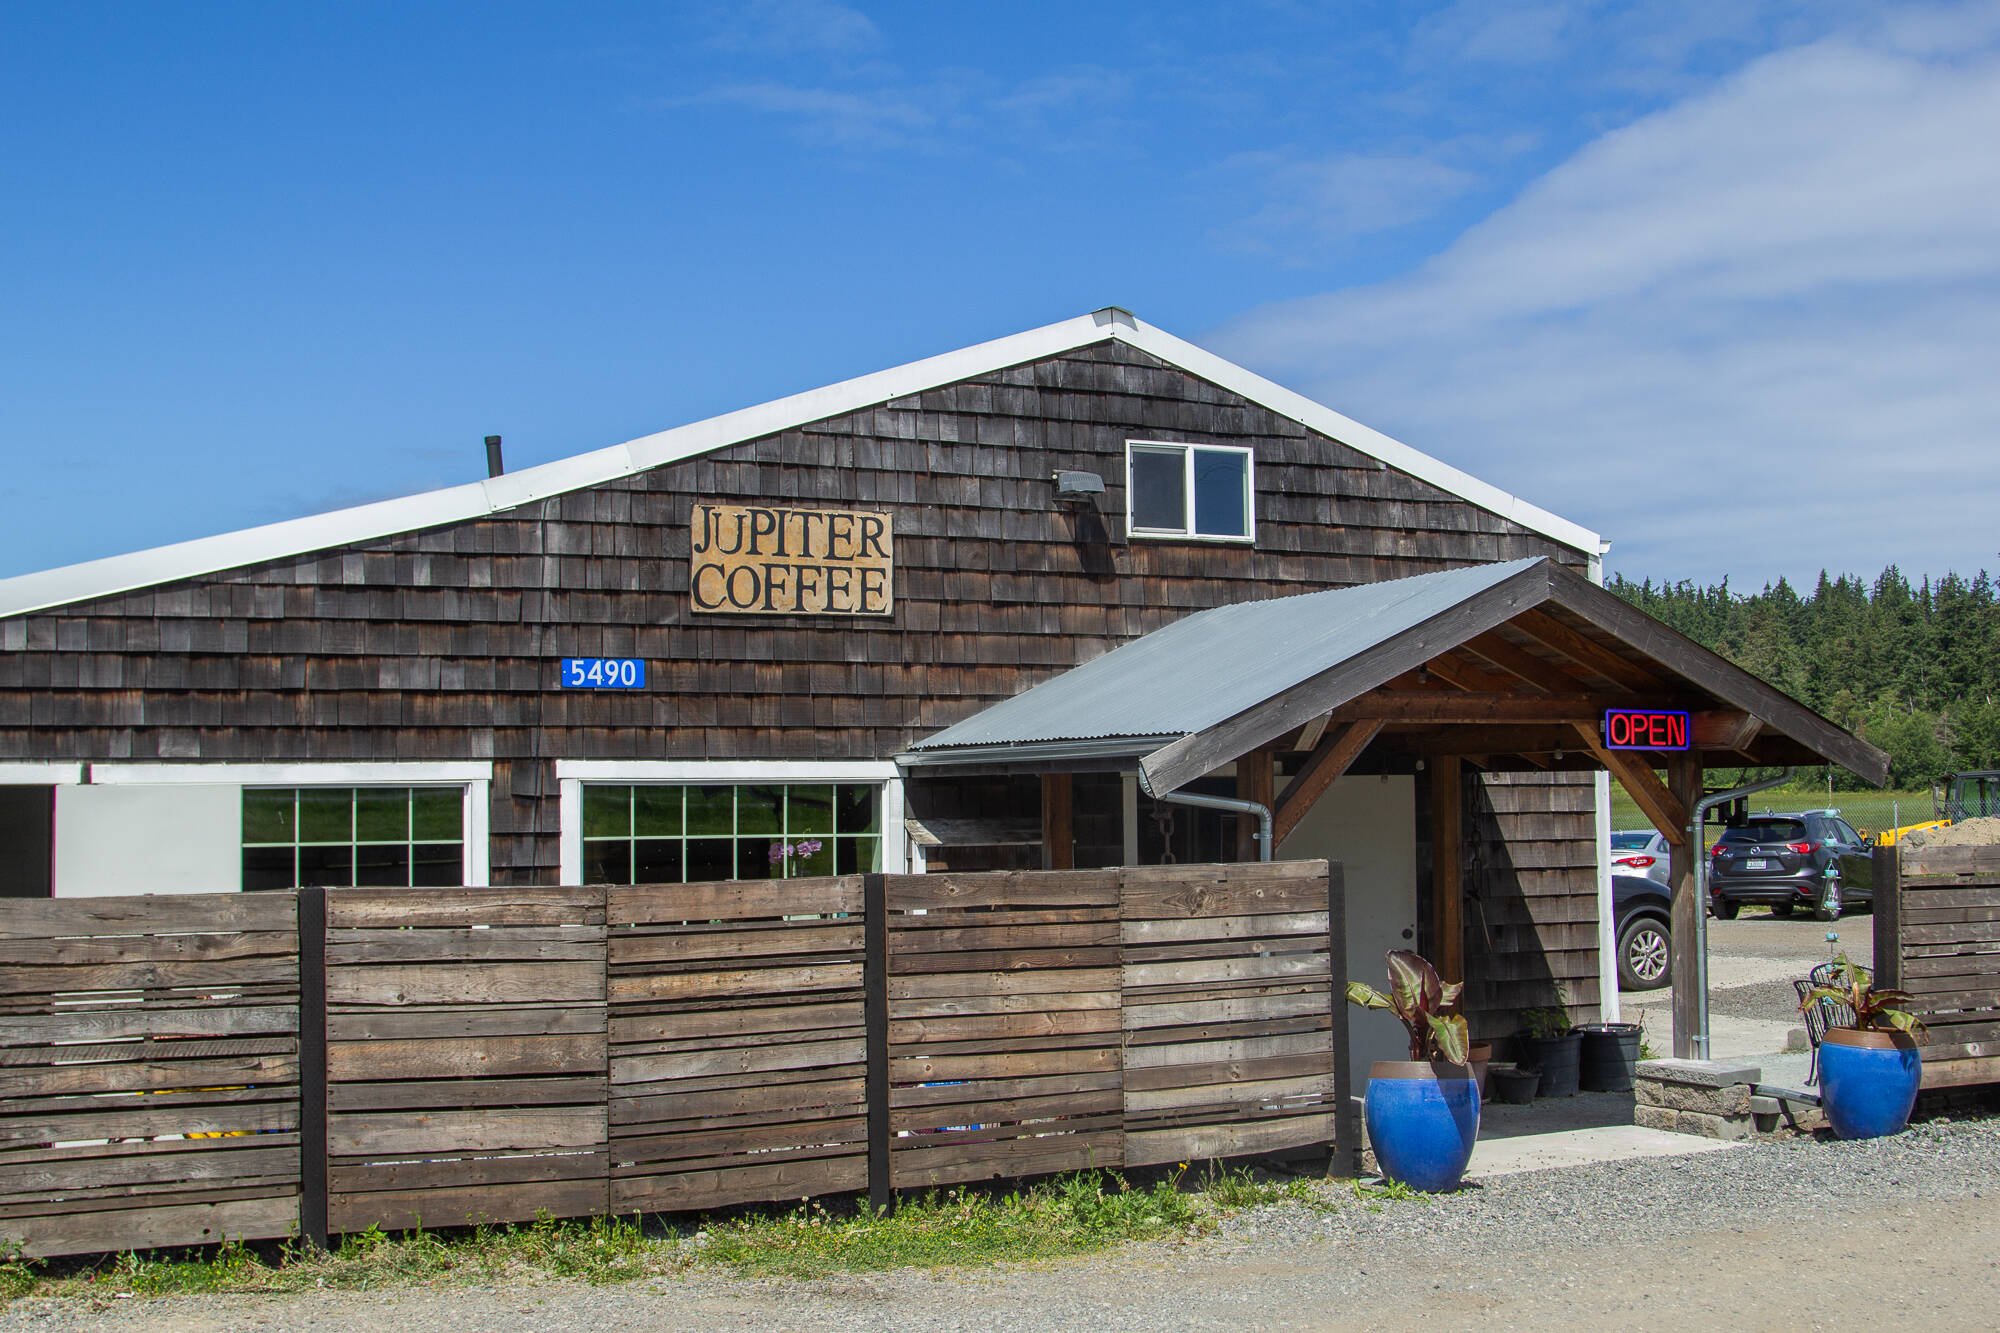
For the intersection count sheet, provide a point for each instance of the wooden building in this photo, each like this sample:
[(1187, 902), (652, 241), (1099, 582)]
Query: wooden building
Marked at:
[(429, 690)]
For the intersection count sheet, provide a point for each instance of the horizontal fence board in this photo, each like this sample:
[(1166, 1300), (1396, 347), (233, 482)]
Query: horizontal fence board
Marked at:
[(692, 986), (734, 900), (1013, 1064), (974, 1089), (107, 1077), (1198, 1143), (451, 1093), (208, 1160), (915, 944), (463, 1057), (912, 1167), (743, 1060), (1292, 1003), (458, 1171), (147, 914), (1241, 1048), (1311, 1086), (487, 1129), (1960, 1073), (202, 973), (808, 1097), (221, 1020), (1186, 929), (1187, 972), (1008, 888), (546, 944), (445, 1022), (951, 1006), (835, 937), (167, 1225), (1048, 1023), (115, 949), (1954, 932), (465, 983), (693, 1190), (395, 1210), (932, 985), (150, 1121), (699, 1024), (456, 908)]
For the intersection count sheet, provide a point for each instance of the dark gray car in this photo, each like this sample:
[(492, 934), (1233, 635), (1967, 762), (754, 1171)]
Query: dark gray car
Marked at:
[(1812, 861)]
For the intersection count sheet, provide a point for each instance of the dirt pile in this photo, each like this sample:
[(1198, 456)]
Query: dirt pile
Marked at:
[(1983, 832)]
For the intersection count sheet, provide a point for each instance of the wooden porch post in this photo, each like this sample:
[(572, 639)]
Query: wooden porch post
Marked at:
[(1255, 779), (1447, 856), (1684, 782), (1058, 822)]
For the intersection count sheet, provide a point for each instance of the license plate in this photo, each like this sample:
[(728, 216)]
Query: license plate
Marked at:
[(1756, 863)]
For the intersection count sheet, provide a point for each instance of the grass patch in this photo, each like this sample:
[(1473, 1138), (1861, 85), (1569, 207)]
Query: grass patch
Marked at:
[(1069, 1215)]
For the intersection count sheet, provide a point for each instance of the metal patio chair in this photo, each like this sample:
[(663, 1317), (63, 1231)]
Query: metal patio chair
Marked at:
[(1822, 1014)]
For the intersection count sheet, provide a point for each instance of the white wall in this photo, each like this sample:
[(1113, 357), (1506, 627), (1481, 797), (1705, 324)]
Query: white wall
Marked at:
[(177, 838), (1369, 825)]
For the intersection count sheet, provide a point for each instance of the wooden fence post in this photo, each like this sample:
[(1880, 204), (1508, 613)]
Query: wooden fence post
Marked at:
[(875, 1026), (1346, 1158), (312, 1068), (1889, 917)]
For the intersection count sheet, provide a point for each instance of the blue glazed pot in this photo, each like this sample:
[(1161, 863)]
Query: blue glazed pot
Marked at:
[(1422, 1121), (1868, 1081)]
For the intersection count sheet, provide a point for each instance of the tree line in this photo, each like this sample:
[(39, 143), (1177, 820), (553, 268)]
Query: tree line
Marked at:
[(1914, 670)]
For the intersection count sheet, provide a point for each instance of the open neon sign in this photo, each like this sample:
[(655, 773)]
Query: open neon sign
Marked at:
[(1645, 729)]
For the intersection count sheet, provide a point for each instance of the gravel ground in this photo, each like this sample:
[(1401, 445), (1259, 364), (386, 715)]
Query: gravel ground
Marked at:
[(1786, 1235)]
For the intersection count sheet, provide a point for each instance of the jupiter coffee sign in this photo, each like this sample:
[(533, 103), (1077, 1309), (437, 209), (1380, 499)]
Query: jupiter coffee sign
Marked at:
[(759, 560)]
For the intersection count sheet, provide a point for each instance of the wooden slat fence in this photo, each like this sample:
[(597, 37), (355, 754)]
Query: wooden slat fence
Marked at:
[(737, 1043), (465, 1055), (149, 1070), (1005, 1055), (491, 1054), (1937, 934), (1229, 1011)]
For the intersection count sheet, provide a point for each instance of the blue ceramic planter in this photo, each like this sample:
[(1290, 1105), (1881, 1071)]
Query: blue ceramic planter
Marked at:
[(1868, 1081), (1422, 1121)]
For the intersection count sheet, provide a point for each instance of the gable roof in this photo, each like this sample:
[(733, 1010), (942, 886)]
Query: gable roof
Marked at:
[(1196, 694), (455, 504)]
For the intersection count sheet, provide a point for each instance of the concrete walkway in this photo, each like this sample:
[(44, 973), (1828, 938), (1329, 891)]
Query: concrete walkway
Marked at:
[(1571, 1131)]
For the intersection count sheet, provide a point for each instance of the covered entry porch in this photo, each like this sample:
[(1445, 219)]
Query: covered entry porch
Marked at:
[(1443, 736)]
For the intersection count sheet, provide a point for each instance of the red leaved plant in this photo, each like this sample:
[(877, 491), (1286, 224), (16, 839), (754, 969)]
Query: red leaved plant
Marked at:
[(1419, 997), (1874, 1010)]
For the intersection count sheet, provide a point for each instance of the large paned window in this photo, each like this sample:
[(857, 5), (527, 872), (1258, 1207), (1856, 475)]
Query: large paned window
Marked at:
[(649, 833), (1189, 490), (353, 835)]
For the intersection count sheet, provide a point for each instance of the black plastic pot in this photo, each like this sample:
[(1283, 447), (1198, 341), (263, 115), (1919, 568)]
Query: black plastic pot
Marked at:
[(1610, 1053), (1513, 1085), (1557, 1058)]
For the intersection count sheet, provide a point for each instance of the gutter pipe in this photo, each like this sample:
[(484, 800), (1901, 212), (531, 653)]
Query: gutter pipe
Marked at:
[(1696, 818), (1235, 807)]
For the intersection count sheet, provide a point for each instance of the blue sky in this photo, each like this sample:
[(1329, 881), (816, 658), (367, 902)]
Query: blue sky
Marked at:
[(1715, 279)]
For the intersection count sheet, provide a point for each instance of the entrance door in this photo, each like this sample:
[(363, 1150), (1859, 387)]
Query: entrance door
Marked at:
[(27, 822), (1369, 825)]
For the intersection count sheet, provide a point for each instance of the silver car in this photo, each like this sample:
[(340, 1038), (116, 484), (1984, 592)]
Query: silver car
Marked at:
[(1639, 852)]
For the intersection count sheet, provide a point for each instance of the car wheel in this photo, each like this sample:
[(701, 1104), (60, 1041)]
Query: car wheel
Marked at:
[(1726, 909), (1643, 954), (1781, 909)]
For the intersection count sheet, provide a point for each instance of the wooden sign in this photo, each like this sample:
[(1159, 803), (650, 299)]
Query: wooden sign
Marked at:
[(759, 560)]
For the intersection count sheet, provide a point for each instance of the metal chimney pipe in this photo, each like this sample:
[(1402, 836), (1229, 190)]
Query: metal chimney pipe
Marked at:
[(493, 466)]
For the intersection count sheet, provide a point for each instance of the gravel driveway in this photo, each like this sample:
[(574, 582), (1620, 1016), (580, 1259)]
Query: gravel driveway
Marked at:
[(1780, 1236)]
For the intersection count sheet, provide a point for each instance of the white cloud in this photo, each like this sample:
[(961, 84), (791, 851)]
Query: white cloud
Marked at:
[(1316, 202), (1752, 333), (794, 27)]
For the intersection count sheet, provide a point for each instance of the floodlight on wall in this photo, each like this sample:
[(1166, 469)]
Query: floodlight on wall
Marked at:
[(1075, 488)]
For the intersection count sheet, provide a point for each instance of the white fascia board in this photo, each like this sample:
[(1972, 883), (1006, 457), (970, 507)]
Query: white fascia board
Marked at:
[(40, 775), (389, 518), (700, 771), (392, 774), (1393, 452)]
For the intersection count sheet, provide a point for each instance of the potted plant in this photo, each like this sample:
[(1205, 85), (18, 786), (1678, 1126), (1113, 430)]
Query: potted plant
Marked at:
[(1422, 1113), (1869, 1072), (1549, 1042)]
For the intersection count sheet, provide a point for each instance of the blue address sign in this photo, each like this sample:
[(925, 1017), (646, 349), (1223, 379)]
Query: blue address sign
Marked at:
[(603, 673)]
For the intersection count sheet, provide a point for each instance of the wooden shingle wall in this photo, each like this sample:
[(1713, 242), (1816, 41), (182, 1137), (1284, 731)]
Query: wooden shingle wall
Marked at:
[(1531, 909), (443, 644)]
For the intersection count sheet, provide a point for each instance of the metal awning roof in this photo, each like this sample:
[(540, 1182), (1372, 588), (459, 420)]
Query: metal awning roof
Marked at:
[(1196, 694)]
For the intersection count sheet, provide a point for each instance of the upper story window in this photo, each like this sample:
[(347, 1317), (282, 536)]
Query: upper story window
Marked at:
[(1199, 491)]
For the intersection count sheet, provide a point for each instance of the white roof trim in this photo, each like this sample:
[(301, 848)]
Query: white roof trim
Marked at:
[(456, 504)]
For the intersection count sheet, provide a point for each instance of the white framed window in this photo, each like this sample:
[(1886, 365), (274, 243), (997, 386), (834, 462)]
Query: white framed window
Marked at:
[(277, 825), (665, 821), (1194, 492)]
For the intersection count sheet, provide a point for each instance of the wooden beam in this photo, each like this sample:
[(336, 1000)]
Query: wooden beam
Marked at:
[(1058, 822), (1455, 670), (1311, 732), (1396, 706), (1511, 657), (1722, 729), (1684, 784), (1334, 756), (1447, 857), (1522, 738), (1661, 806), (1550, 632), (1255, 777)]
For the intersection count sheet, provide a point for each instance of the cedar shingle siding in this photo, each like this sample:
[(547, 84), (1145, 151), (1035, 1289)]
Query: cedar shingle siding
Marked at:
[(443, 644)]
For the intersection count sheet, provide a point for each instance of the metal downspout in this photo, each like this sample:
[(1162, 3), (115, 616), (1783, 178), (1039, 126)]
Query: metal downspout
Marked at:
[(1233, 806), (1696, 818)]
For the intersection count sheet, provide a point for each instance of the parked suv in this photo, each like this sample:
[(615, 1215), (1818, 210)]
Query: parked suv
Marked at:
[(1639, 852), (1812, 861)]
